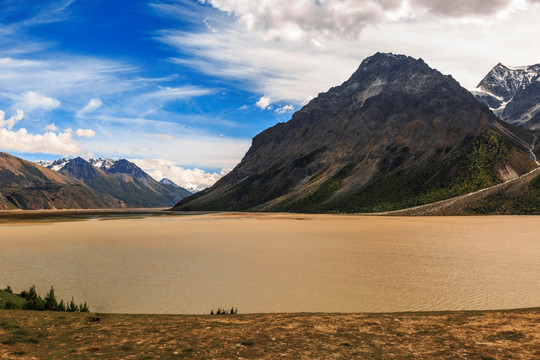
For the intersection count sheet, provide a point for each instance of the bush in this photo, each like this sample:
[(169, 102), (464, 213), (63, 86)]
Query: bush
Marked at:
[(9, 305)]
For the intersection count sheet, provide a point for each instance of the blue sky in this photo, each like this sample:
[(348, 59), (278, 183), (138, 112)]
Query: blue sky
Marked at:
[(181, 86)]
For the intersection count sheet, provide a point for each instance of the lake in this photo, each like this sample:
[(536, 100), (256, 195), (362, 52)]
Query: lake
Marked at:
[(278, 262)]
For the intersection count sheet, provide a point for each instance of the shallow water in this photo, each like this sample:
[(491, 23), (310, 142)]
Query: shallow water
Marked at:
[(278, 262)]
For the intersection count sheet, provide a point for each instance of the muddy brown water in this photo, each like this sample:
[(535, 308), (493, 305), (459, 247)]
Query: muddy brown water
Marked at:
[(278, 262)]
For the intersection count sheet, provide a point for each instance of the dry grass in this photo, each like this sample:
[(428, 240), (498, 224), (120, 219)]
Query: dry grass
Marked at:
[(444, 335)]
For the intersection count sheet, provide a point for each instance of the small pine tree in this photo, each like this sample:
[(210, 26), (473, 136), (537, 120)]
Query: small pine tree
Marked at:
[(33, 300), (236, 311), (61, 306), (50, 300), (232, 311), (84, 308), (72, 306), (212, 312), (8, 289)]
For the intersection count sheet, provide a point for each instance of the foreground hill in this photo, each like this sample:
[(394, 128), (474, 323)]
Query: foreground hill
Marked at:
[(121, 179), (511, 334), (396, 134), (25, 185)]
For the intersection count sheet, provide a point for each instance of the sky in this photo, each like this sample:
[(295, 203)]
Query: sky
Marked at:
[(180, 87)]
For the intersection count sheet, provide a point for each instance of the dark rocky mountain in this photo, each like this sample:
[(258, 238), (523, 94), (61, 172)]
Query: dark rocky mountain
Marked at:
[(513, 93), (396, 134), (25, 185), (121, 179)]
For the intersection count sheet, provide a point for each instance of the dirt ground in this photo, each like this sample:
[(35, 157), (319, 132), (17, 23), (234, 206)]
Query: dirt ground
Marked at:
[(513, 334)]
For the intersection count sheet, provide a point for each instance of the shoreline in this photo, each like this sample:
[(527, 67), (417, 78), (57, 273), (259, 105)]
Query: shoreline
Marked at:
[(492, 334)]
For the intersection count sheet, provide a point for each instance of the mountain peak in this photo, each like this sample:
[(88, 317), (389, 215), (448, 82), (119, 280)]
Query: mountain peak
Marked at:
[(512, 93)]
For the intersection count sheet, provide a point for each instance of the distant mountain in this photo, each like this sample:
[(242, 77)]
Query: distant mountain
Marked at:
[(168, 182), (396, 134), (121, 179), (513, 94), (25, 185)]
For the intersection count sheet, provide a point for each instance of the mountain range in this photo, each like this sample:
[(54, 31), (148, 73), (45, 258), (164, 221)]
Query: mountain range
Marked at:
[(81, 184), (25, 185), (397, 134), (122, 180)]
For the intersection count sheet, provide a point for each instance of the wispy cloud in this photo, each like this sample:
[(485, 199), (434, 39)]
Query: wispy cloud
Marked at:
[(92, 105), (10, 122)]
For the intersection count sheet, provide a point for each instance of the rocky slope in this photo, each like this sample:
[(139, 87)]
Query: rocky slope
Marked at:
[(396, 134), (513, 93), (121, 179), (25, 185)]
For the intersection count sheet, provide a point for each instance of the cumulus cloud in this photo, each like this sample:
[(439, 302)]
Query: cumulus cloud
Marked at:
[(307, 20), (34, 100), (284, 109), (92, 105), (264, 102), (191, 179), (87, 133), (48, 143), (51, 127), (9, 123)]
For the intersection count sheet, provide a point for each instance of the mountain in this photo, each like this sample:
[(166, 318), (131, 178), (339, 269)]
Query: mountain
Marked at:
[(513, 93), (166, 181), (25, 185), (121, 179), (396, 134)]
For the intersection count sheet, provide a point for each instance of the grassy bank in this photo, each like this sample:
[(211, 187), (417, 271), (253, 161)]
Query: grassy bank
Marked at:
[(482, 335)]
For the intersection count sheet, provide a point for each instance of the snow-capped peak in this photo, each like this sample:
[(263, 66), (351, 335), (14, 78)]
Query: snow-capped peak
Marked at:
[(103, 164)]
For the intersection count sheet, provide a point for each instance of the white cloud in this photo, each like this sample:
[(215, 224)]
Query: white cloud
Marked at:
[(164, 136), (51, 127), (318, 20), (48, 143), (191, 179), (264, 102), (284, 109), (92, 105), (87, 133), (9, 123), (252, 45), (34, 100)]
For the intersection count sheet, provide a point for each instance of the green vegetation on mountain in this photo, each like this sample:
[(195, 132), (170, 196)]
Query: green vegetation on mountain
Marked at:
[(510, 202), (467, 169)]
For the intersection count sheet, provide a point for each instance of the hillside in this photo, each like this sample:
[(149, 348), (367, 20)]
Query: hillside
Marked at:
[(395, 135), (25, 185)]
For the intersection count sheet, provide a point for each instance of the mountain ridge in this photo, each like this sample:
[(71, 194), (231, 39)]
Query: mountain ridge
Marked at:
[(121, 179), (25, 185)]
